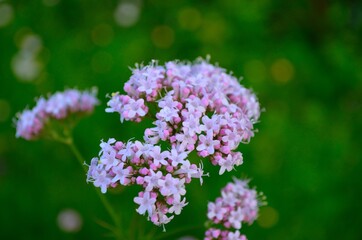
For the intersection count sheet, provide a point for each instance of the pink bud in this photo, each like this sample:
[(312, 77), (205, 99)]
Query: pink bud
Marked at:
[(148, 132), (223, 109), (216, 233), (166, 133), (225, 149), (205, 101), (154, 219), (119, 145), (153, 167), (139, 180), (169, 200), (125, 114), (144, 171), (203, 153), (190, 147), (179, 106), (185, 92), (177, 120), (173, 139), (227, 224), (169, 169)]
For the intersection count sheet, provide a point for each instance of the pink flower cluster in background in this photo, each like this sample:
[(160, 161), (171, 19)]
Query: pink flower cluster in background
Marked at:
[(237, 204), (217, 234), (196, 107), (31, 122)]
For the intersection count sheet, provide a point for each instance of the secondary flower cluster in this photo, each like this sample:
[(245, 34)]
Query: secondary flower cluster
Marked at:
[(31, 122), (162, 174), (217, 234), (195, 107), (237, 204)]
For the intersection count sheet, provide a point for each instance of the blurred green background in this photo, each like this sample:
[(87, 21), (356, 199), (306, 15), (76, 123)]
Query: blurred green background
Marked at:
[(302, 58)]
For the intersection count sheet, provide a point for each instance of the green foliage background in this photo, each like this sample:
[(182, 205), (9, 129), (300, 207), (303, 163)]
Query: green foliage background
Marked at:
[(302, 58)]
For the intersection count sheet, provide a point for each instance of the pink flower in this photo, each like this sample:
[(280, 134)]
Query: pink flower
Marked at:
[(121, 174), (178, 205), (158, 156), (152, 180), (168, 185), (146, 202), (217, 234), (31, 124), (195, 107), (134, 109), (191, 125), (102, 180), (207, 144), (28, 125), (216, 210), (226, 164), (237, 204)]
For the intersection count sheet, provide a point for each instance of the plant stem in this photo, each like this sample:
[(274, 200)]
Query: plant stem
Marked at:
[(116, 230)]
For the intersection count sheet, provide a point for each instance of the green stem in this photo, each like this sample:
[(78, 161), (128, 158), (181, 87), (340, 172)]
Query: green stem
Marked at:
[(116, 231), (77, 154)]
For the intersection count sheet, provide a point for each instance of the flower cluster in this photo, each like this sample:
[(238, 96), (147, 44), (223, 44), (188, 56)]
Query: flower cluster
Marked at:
[(214, 233), (31, 122), (199, 107), (195, 107), (162, 174), (237, 204)]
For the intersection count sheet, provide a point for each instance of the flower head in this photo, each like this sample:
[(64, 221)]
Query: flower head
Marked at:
[(31, 123), (197, 107), (238, 204)]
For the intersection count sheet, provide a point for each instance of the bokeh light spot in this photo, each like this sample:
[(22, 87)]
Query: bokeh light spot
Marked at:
[(4, 110), (268, 217), (69, 220), (127, 13), (162, 36), (189, 18), (26, 67), (282, 70), (25, 64), (102, 62), (31, 43), (6, 14), (102, 35)]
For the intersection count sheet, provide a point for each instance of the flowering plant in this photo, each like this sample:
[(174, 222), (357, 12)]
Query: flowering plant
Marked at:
[(238, 203), (195, 107)]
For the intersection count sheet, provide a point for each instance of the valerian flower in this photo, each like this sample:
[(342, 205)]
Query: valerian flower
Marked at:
[(196, 107), (238, 204), (32, 123)]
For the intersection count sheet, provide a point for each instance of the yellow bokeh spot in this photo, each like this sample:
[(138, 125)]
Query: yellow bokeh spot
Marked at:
[(282, 70), (162, 36), (189, 19), (268, 217)]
